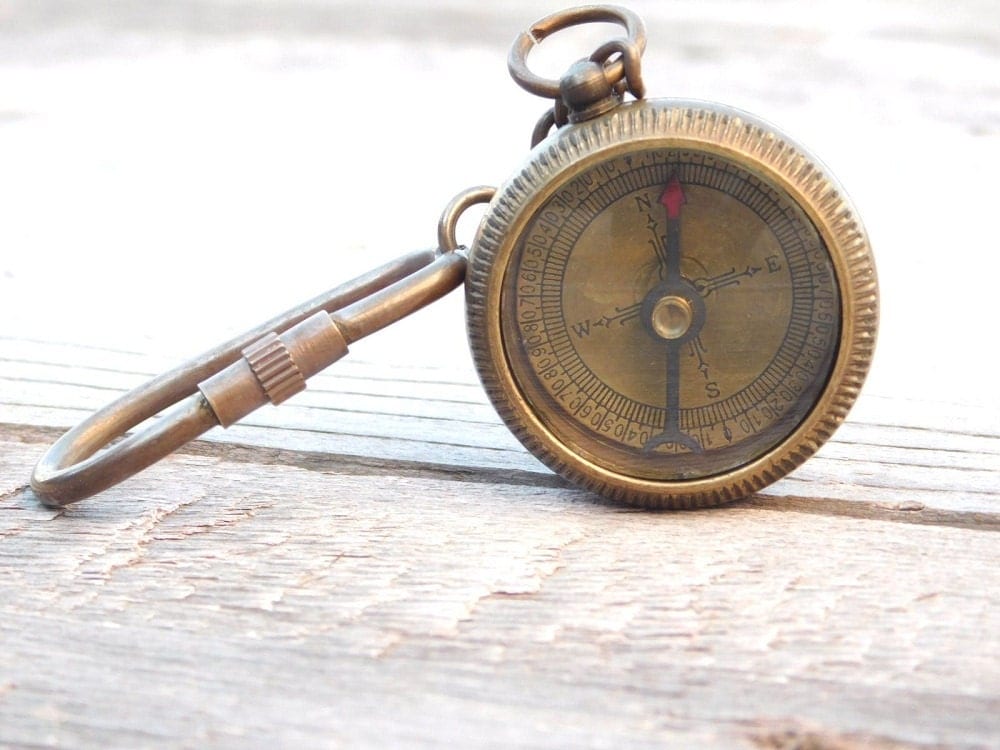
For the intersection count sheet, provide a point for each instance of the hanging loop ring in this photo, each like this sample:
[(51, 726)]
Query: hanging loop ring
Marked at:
[(631, 60), (517, 60), (447, 226)]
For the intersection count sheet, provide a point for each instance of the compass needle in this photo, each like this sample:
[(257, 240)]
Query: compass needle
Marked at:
[(671, 317), (673, 199)]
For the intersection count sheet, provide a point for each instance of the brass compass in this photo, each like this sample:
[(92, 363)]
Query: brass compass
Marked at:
[(671, 302)]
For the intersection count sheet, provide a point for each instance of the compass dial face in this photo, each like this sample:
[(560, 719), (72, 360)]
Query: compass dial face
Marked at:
[(670, 314), (672, 304)]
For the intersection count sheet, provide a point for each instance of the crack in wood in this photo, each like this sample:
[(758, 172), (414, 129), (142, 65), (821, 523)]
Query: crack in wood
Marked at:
[(11, 494), (794, 736), (352, 465), (325, 462), (934, 430), (120, 553), (901, 513), (887, 462)]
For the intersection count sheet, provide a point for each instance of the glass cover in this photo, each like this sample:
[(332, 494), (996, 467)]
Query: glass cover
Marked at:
[(670, 315)]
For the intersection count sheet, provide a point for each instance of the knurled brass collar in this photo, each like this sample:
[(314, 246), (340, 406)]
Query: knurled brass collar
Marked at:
[(274, 367)]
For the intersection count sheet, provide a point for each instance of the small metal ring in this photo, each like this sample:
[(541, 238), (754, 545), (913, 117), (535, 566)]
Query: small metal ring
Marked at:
[(631, 59), (517, 60), (561, 112), (447, 242), (554, 117), (545, 123)]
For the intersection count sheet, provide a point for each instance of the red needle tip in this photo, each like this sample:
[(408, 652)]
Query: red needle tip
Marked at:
[(673, 198)]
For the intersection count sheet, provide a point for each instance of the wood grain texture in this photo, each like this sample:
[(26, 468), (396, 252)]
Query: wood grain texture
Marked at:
[(205, 603), (426, 416), (378, 563)]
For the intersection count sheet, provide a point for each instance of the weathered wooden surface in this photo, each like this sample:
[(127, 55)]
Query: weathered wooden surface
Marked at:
[(378, 562), (216, 601), (945, 457)]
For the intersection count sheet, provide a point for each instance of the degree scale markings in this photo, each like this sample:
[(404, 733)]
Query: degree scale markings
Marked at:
[(558, 257), (566, 216), (613, 190)]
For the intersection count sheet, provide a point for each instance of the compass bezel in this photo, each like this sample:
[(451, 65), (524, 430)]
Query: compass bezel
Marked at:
[(675, 124)]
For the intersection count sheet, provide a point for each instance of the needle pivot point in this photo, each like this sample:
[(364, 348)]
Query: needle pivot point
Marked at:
[(671, 317)]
